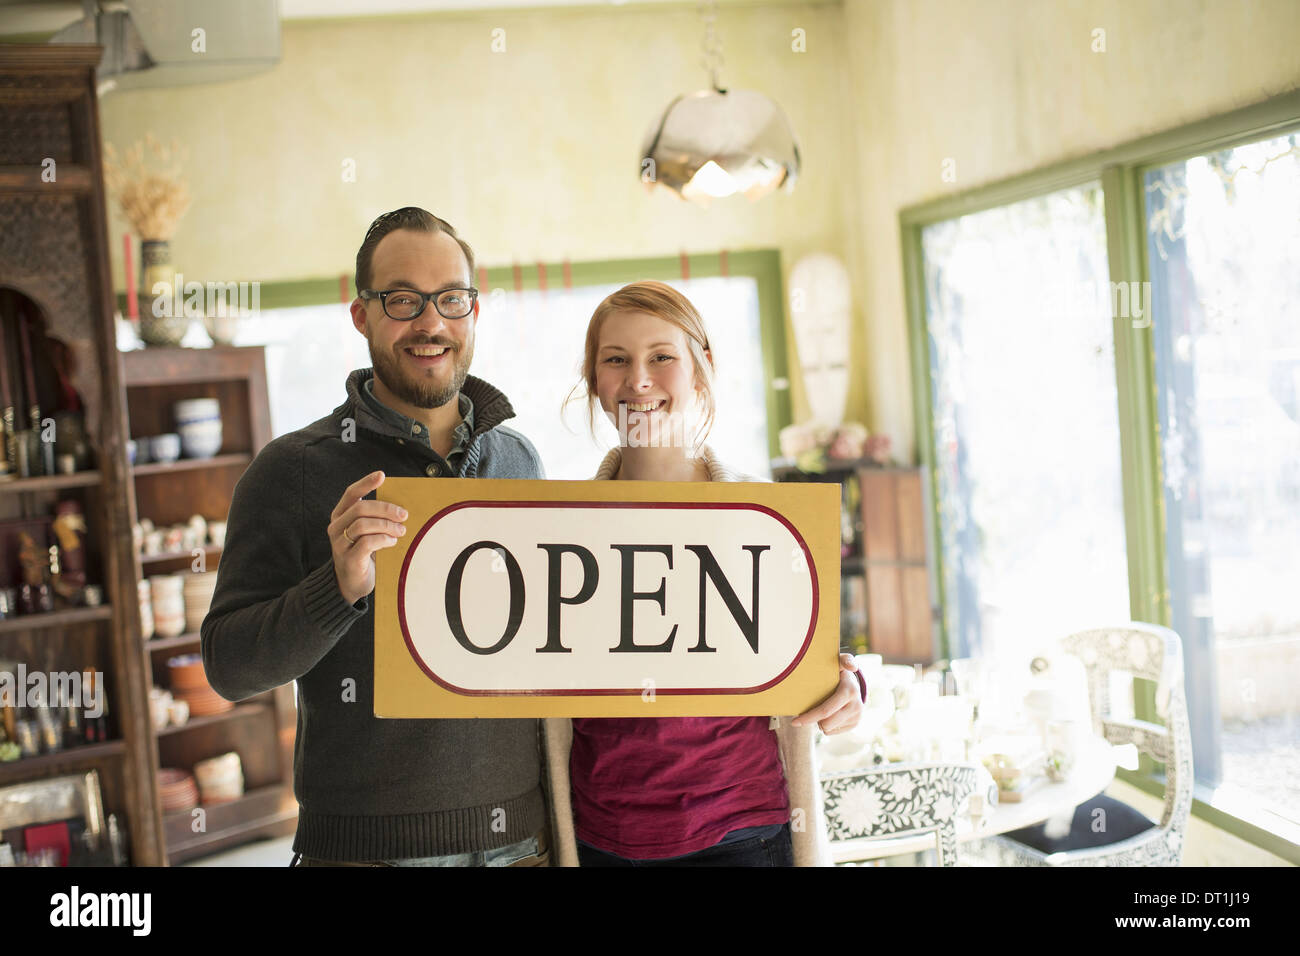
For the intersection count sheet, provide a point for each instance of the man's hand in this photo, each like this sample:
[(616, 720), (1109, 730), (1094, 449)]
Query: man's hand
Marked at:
[(357, 529), (843, 709)]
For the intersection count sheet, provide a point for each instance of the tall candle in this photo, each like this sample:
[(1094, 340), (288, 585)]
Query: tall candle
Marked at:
[(131, 309), (29, 377)]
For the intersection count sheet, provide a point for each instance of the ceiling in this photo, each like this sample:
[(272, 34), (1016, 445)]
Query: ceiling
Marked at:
[(19, 17)]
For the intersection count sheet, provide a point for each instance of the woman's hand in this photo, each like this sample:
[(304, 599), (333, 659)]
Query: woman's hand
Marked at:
[(843, 709)]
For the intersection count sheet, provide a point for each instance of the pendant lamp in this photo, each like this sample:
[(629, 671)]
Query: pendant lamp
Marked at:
[(716, 142)]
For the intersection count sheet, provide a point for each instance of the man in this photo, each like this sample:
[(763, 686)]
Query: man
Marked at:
[(292, 596)]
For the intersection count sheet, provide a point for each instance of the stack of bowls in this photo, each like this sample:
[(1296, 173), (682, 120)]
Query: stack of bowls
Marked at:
[(221, 779), (177, 789), (198, 421), (198, 598), (189, 683), (168, 605)]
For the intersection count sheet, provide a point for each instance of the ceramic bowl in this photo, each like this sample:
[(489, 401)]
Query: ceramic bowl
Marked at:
[(196, 410), (165, 448), (200, 439)]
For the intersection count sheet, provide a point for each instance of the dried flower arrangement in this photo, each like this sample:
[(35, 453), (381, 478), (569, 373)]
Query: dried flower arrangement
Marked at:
[(152, 200)]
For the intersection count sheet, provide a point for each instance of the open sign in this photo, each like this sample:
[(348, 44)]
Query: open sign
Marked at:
[(529, 598)]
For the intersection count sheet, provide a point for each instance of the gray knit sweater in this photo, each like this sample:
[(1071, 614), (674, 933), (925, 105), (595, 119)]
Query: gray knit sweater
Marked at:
[(368, 789)]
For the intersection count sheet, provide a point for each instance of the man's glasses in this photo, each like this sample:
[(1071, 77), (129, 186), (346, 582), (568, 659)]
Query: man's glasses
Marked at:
[(406, 304)]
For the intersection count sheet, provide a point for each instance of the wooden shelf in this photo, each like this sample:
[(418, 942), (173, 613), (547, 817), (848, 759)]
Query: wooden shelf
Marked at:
[(147, 559), (81, 479), (172, 643), (76, 615), (238, 711), (836, 468), (265, 811), (42, 766), (189, 464)]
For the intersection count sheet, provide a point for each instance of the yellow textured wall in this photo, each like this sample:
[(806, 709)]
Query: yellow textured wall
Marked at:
[(532, 153), (1007, 86)]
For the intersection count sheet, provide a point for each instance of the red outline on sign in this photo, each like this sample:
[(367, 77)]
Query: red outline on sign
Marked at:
[(606, 692)]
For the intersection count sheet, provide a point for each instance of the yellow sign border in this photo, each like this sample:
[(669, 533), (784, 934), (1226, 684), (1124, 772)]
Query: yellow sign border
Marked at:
[(403, 690)]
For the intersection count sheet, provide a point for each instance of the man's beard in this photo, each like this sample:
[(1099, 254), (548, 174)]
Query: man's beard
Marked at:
[(423, 392)]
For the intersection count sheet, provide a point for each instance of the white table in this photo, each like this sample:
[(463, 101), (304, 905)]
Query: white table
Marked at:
[(1094, 769)]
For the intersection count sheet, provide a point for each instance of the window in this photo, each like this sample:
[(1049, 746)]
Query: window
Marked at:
[(1223, 235), (1106, 363), (1026, 424)]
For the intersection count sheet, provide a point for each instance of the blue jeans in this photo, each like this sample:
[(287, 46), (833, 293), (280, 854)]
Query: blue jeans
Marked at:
[(501, 856), (757, 850)]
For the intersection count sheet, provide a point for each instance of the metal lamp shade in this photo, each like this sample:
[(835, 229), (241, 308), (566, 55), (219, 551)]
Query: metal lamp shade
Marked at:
[(714, 143)]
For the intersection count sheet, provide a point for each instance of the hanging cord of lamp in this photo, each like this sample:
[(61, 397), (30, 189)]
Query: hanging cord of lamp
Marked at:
[(713, 59)]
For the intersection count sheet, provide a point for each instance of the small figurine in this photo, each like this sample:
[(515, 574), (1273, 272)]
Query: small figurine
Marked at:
[(34, 597), (70, 529)]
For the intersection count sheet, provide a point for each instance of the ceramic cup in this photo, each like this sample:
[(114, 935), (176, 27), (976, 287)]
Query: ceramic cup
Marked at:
[(165, 448), (180, 712), (153, 542), (160, 703)]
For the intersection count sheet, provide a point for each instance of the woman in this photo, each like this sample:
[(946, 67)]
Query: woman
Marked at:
[(705, 791)]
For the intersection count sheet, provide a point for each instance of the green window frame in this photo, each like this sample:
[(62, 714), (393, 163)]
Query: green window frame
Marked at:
[(1120, 171)]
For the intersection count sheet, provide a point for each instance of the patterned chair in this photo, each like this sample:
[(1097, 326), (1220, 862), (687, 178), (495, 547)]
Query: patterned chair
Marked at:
[(904, 799), (1129, 838)]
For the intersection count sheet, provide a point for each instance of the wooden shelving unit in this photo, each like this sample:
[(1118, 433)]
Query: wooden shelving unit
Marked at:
[(54, 266), (887, 564), (260, 730)]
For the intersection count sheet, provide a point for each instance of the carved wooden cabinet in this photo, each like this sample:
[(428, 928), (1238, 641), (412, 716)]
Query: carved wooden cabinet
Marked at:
[(54, 272)]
